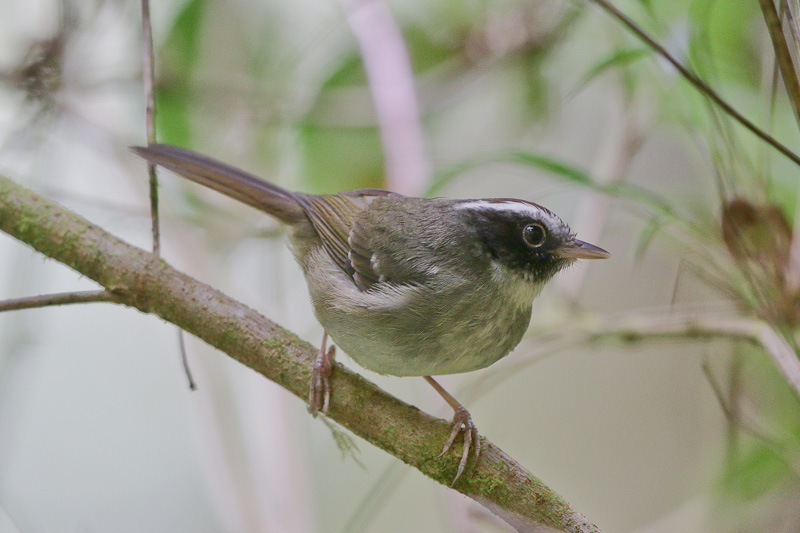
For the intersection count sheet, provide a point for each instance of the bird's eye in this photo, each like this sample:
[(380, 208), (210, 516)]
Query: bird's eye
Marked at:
[(534, 235)]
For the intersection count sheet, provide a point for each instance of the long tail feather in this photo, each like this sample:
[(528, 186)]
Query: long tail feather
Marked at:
[(228, 180)]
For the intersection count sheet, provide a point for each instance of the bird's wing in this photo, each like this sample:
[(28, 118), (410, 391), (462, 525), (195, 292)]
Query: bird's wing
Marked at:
[(371, 264), (389, 248), (333, 217)]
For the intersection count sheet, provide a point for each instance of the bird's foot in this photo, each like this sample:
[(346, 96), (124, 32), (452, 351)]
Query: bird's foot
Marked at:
[(319, 394), (462, 419)]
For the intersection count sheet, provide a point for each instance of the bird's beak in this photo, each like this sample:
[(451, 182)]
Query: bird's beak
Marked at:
[(582, 250)]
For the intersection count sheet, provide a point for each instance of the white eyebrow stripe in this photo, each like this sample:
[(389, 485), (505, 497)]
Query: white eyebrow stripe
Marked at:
[(521, 207)]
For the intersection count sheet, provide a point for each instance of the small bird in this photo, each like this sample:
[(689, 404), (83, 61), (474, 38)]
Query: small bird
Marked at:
[(407, 286)]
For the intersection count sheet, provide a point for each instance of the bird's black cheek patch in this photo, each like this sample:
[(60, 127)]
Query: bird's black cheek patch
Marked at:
[(503, 240), (540, 262)]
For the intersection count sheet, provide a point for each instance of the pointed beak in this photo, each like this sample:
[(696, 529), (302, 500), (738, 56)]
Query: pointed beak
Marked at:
[(582, 250)]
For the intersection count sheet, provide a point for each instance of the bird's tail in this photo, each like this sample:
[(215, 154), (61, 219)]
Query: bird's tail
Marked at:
[(228, 180)]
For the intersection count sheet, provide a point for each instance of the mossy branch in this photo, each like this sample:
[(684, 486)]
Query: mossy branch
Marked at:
[(141, 280)]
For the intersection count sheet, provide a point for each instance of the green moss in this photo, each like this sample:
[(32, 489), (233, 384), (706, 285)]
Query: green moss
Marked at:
[(485, 485), (229, 337), (274, 345)]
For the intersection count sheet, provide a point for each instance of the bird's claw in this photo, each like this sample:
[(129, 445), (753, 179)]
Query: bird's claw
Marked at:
[(462, 418), (319, 394)]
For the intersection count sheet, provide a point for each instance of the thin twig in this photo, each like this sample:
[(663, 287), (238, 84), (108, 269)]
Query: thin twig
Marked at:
[(781, 353), (699, 84), (185, 360), (151, 285), (782, 55), (704, 325), (148, 76), (643, 326), (150, 117), (701, 325), (63, 298), (784, 61), (391, 83), (788, 11), (730, 414), (736, 421)]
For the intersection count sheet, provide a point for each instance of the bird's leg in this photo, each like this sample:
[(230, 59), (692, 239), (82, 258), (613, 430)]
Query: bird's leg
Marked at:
[(460, 418), (319, 394)]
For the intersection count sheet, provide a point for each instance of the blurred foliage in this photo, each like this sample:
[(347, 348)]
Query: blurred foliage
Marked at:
[(178, 62), (334, 133), (530, 53), (281, 87)]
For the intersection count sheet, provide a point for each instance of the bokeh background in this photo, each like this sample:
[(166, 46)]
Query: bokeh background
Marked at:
[(547, 100)]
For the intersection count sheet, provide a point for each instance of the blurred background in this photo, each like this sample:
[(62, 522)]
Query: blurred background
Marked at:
[(633, 395)]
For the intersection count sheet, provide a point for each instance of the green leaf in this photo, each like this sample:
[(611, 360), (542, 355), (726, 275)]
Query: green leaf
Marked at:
[(349, 73), (722, 43), (173, 119), (341, 158), (647, 235), (648, 5), (180, 50), (619, 58), (560, 170), (179, 57), (757, 471), (548, 164), (424, 54)]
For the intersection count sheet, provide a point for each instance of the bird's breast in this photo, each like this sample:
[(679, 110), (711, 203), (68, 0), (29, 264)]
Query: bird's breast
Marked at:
[(450, 326)]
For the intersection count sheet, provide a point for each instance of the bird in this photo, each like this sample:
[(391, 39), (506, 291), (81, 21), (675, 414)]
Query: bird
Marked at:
[(406, 286)]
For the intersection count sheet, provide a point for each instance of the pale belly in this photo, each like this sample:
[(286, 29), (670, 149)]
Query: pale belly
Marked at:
[(437, 332)]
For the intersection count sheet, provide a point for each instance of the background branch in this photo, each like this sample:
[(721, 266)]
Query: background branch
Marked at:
[(391, 83), (64, 298), (147, 283), (695, 80), (704, 325), (675, 326), (148, 77), (783, 56)]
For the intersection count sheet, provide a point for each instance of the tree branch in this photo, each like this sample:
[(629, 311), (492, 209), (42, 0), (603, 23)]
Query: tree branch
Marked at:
[(63, 298), (143, 281), (586, 330), (148, 76), (699, 325)]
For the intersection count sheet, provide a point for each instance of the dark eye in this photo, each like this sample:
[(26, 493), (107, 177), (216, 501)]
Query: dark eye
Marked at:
[(534, 235)]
